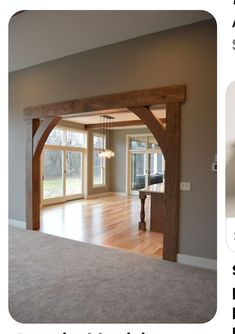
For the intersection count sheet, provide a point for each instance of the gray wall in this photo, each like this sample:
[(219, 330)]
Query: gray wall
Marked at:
[(230, 141), (230, 151), (185, 55)]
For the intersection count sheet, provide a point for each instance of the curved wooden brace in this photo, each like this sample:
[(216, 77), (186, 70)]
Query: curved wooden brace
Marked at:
[(155, 125), (42, 134)]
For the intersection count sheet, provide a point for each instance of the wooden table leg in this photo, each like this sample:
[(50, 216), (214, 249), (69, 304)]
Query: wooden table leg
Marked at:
[(142, 223)]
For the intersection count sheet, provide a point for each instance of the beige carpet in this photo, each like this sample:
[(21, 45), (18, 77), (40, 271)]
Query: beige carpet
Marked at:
[(55, 280)]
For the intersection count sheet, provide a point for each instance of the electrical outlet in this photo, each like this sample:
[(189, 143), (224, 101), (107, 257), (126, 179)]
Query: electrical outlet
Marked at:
[(185, 186), (214, 167)]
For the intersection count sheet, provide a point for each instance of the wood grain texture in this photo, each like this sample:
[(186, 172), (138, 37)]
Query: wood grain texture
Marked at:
[(172, 181), (118, 124), (110, 221), (114, 124), (142, 222), (158, 212), (156, 127), (42, 133), (32, 177), (127, 99)]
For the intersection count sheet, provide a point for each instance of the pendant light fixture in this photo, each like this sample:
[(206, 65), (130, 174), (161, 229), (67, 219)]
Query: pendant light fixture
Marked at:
[(106, 122)]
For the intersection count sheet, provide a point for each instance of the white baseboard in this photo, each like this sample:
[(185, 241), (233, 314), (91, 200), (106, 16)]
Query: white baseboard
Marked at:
[(195, 261), (17, 223)]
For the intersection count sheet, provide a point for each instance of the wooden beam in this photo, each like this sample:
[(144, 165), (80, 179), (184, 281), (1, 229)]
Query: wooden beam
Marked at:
[(138, 98), (118, 124), (138, 102), (154, 125), (36, 134), (98, 112), (114, 124), (172, 142)]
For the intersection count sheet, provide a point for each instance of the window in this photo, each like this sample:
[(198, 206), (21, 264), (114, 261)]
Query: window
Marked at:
[(138, 143), (76, 139), (152, 143), (56, 137), (98, 162), (98, 141), (63, 137)]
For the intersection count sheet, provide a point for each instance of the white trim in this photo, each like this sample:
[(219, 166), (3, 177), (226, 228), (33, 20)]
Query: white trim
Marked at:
[(17, 223), (64, 150), (195, 261)]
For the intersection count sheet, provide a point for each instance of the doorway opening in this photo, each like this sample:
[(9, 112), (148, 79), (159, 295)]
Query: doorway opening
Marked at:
[(40, 120)]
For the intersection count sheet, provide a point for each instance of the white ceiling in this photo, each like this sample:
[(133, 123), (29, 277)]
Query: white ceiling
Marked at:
[(118, 117), (40, 36), (96, 119)]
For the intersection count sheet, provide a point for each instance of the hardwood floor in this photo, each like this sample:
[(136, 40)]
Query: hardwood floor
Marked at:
[(111, 221)]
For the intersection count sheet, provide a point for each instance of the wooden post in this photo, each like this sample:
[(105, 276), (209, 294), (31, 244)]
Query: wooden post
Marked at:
[(32, 178), (142, 223), (36, 135), (172, 181)]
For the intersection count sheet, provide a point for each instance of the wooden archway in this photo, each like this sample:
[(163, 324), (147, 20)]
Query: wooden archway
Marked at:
[(40, 120)]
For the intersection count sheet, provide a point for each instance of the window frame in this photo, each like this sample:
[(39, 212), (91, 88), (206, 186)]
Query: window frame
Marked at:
[(65, 130), (103, 167)]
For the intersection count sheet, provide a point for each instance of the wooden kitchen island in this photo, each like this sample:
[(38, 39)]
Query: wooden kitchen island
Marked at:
[(158, 210)]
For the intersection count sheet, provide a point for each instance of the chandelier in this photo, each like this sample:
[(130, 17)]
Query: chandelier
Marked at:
[(106, 122)]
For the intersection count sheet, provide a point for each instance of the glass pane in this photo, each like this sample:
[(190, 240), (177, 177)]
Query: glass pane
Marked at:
[(53, 174), (56, 137), (137, 171), (98, 141), (73, 173), (138, 143), (155, 174), (152, 143), (76, 139), (98, 177)]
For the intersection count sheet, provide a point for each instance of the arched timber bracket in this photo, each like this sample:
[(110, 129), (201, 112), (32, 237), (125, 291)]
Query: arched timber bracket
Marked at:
[(42, 134), (37, 132), (41, 119), (154, 125)]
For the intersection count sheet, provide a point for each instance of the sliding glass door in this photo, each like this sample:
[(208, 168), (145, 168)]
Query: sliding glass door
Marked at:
[(74, 172), (62, 166), (53, 174), (146, 164)]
